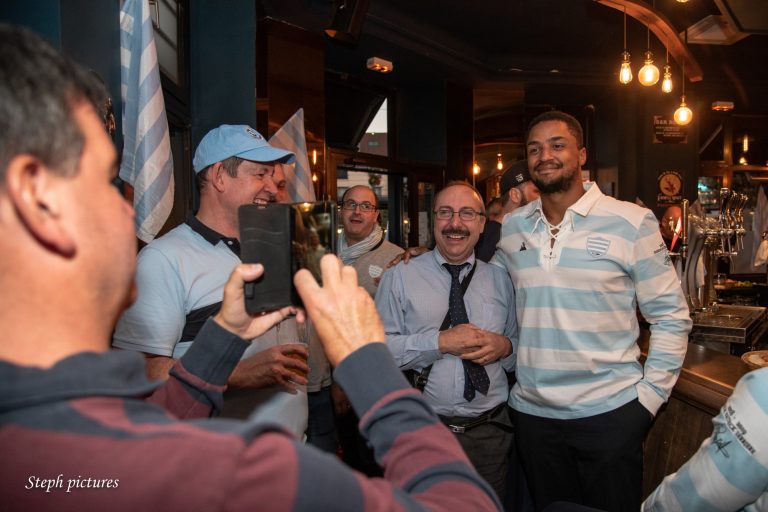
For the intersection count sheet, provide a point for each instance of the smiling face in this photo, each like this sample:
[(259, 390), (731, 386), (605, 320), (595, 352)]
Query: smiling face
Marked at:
[(456, 238), (357, 223), (554, 157), (254, 184)]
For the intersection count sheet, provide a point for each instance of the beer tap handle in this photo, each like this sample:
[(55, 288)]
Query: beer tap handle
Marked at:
[(725, 194), (684, 217)]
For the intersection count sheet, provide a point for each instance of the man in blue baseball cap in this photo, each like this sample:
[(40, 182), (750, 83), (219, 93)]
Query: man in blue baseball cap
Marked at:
[(181, 276)]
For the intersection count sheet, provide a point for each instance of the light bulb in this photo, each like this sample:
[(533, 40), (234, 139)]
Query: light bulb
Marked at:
[(625, 73), (649, 74), (499, 164), (743, 160), (683, 114), (475, 169), (666, 84), (745, 143)]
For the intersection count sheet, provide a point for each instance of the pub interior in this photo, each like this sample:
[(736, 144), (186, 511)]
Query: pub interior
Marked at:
[(461, 81)]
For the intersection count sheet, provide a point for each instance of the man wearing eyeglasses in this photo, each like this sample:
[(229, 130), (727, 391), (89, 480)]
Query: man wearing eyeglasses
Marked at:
[(362, 242), (361, 245), (181, 276), (457, 347)]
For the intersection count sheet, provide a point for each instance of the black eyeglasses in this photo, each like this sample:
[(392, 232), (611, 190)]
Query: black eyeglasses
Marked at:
[(447, 213), (365, 206)]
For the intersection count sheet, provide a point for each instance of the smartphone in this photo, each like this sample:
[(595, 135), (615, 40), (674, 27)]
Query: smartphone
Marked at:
[(284, 238)]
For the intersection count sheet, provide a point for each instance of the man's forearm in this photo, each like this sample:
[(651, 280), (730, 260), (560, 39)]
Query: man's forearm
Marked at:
[(197, 381), (157, 367)]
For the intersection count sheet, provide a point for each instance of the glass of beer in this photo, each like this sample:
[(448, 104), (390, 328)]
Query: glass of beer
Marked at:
[(291, 331)]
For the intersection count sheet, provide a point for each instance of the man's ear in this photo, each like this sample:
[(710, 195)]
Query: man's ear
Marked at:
[(582, 156), (515, 195), (216, 176), (33, 191)]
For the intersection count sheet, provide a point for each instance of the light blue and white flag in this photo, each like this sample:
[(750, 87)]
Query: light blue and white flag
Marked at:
[(147, 163), (291, 137)]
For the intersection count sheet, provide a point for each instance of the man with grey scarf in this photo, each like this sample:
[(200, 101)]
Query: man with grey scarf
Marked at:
[(362, 244)]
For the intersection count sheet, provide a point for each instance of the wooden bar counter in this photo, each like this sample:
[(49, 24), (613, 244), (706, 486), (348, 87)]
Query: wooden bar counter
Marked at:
[(706, 381)]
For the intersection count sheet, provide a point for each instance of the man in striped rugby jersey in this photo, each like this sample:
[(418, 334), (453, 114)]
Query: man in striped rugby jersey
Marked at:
[(582, 263)]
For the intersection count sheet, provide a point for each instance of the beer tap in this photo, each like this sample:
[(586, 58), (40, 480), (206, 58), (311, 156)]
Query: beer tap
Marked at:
[(684, 233), (725, 195), (730, 229), (740, 230)]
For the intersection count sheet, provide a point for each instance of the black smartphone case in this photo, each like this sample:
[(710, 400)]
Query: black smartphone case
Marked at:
[(266, 234)]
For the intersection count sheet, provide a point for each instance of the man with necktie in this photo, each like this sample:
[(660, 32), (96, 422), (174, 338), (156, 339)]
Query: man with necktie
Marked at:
[(450, 323)]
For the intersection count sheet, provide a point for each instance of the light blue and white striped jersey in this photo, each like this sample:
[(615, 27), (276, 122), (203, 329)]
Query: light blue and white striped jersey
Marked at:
[(576, 304), (730, 469)]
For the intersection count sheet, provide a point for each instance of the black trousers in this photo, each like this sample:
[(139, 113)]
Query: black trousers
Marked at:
[(595, 461), (489, 447)]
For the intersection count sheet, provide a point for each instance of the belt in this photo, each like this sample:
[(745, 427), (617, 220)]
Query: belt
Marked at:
[(459, 424)]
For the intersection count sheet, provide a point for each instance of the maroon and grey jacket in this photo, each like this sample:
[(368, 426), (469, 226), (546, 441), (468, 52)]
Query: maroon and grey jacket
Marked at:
[(92, 433)]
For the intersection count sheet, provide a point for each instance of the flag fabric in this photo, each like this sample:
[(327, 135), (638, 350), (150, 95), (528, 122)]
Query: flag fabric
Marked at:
[(291, 137), (147, 163)]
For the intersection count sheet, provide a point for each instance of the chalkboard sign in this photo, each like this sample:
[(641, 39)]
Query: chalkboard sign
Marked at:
[(667, 131)]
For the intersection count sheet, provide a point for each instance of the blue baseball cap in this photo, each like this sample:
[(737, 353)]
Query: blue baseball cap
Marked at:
[(241, 141)]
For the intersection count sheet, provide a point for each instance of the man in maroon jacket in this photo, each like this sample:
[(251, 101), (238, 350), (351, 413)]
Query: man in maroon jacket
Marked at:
[(81, 428)]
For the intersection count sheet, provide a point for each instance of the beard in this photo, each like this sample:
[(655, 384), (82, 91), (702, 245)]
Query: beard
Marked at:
[(563, 183)]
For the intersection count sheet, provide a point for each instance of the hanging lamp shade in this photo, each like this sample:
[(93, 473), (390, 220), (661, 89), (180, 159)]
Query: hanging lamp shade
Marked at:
[(649, 73), (683, 114)]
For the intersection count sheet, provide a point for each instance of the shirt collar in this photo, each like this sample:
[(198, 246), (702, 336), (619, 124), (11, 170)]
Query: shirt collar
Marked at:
[(581, 207), (211, 236), (440, 260)]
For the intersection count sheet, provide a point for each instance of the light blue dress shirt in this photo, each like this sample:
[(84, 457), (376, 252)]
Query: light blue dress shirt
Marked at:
[(413, 300)]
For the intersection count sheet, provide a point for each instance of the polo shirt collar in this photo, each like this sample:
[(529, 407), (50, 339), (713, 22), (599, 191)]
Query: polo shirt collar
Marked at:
[(211, 236)]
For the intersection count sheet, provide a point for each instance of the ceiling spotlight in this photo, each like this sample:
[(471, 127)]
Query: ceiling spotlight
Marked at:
[(380, 65)]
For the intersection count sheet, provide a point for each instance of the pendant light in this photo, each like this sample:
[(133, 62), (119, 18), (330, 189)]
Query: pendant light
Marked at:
[(625, 73), (649, 73), (666, 84), (683, 114)]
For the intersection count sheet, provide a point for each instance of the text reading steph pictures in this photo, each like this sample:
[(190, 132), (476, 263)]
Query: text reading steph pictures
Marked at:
[(34, 482)]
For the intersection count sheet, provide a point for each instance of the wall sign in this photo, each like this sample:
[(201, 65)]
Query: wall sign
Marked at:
[(670, 187), (667, 131)]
